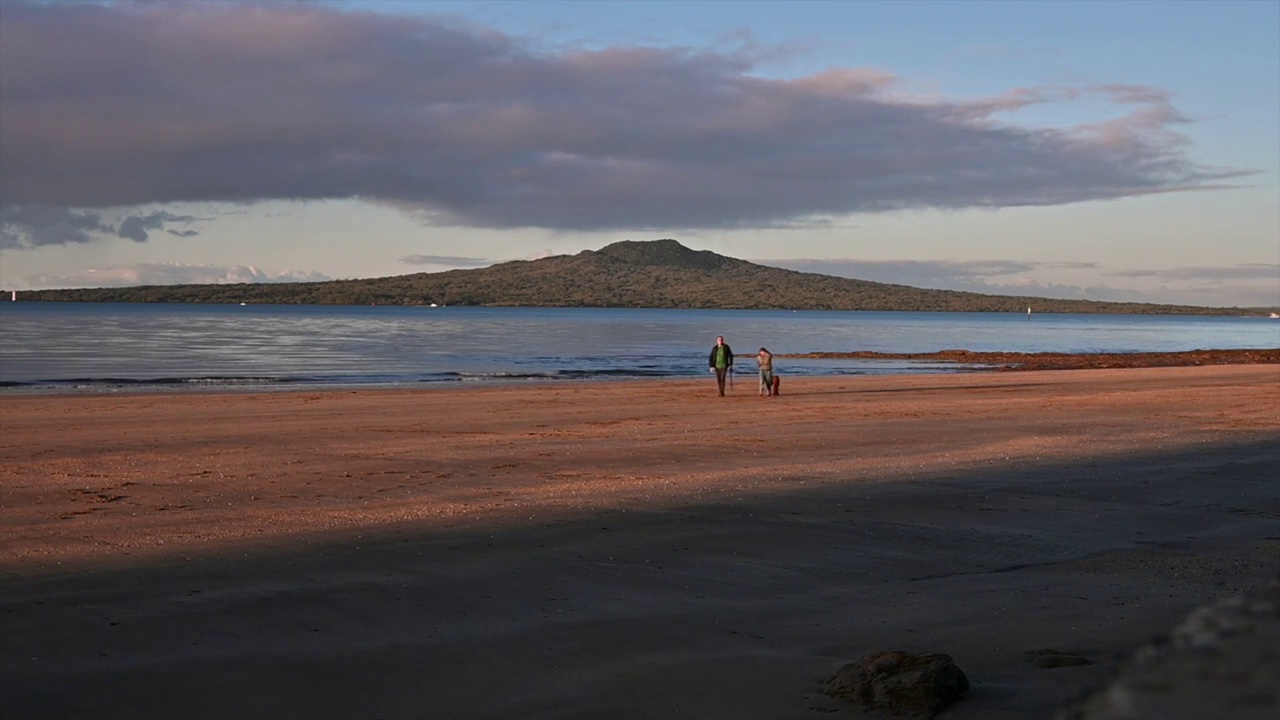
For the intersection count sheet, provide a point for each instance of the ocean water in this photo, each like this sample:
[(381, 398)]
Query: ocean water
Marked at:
[(103, 346)]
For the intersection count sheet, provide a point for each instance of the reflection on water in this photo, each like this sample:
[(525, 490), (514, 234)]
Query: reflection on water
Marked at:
[(95, 344)]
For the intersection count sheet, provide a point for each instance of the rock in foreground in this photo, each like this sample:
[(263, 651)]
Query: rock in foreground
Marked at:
[(900, 683)]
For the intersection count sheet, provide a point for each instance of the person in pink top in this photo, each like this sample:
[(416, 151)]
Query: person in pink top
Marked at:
[(764, 360)]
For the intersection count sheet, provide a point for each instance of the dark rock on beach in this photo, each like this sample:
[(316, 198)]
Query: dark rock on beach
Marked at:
[(901, 683)]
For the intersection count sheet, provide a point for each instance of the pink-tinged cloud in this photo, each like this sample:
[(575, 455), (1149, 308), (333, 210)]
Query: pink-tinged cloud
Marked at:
[(122, 105), (170, 274)]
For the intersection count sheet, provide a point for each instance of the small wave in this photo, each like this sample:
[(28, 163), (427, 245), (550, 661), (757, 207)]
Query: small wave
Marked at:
[(104, 383), (584, 372), (208, 380), (90, 384)]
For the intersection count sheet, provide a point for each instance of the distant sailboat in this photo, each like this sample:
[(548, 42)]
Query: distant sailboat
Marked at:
[(14, 298), (1028, 312)]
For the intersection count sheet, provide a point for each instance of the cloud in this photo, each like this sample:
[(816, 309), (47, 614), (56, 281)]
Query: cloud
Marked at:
[(121, 105), (1070, 265), (1213, 295), (169, 274), (448, 260), (135, 227), (950, 275), (30, 226), (1248, 285), (1248, 271)]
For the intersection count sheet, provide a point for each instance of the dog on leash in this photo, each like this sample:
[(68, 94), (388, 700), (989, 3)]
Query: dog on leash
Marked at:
[(777, 382)]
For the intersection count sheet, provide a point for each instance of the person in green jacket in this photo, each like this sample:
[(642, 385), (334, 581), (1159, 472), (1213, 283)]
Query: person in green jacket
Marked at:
[(721, 362)]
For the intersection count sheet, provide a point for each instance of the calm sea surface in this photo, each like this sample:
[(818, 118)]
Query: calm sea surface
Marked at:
[(99, 346)]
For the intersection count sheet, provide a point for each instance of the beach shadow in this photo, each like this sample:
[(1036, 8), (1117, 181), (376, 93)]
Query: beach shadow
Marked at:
[(735, 606)]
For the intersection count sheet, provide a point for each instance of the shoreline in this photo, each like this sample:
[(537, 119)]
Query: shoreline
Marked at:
[(948, 362), (618, 549)]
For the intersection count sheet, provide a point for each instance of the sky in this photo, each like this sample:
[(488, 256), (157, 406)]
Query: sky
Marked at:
[(1100, 150)]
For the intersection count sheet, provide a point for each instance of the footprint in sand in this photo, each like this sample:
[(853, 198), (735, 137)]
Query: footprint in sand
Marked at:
[(1048, 659)]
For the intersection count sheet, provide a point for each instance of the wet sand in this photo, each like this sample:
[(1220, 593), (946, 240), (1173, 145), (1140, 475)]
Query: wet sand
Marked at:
[(620, 550), (1068, 361)]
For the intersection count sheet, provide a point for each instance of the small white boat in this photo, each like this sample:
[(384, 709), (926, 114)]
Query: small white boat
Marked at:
[(1273, 316)]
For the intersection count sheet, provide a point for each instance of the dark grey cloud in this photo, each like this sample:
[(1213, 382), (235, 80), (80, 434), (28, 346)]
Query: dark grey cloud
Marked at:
[(30, 226), (139, 103), (136, 227), (448, 260)]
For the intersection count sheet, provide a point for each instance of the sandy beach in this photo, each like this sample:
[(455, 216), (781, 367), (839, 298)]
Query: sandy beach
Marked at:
[(618, 549)]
